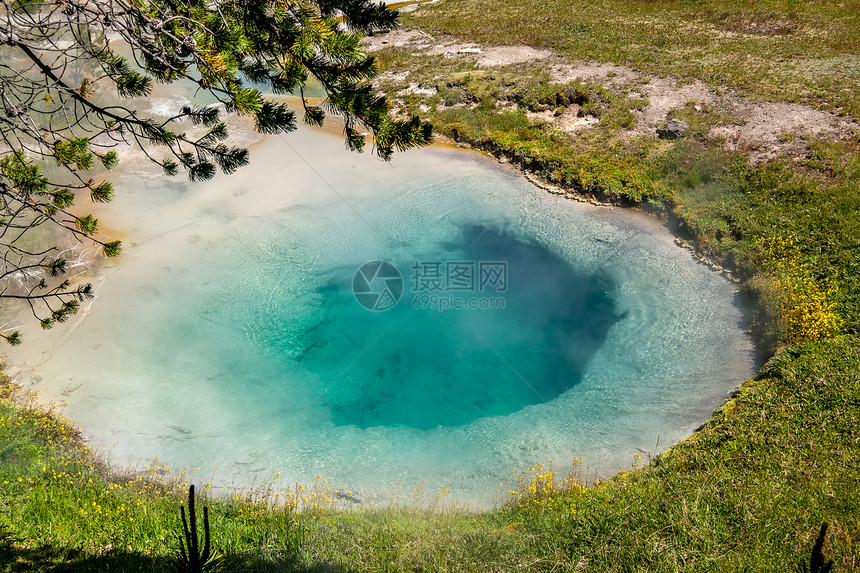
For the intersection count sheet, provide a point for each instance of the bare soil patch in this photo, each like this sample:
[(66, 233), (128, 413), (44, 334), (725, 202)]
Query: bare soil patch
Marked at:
[(765, 130), (424, 43)]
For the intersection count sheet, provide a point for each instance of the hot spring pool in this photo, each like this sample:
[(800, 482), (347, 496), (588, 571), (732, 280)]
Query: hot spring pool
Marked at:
[(511, 327)]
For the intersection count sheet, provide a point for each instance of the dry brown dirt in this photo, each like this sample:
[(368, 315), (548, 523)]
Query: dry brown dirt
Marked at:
[(764, 130)]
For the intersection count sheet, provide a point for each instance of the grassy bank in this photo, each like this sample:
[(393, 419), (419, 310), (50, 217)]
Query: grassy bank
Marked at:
[(782, 50), (748, 492)]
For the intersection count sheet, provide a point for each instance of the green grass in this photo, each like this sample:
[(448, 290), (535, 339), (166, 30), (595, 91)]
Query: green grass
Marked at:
[(63, 510), (488, 109), (725, 205), (785, 50), (748, 492)]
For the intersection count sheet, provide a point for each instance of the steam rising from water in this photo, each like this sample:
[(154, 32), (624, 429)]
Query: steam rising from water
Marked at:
[(229, 335)]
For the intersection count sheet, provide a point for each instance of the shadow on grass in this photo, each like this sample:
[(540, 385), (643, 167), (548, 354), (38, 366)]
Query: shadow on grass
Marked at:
[(56, 559), (49, 558), (817, 563), (52, 559)]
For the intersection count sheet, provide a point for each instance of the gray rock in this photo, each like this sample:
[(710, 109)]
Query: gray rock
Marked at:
[(674, 129)]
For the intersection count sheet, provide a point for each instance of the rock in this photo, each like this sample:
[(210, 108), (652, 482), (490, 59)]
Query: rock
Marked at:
[(575, 97), (674, 129)]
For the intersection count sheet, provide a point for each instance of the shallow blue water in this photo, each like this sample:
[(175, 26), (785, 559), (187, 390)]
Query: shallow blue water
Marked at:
[(232, 337)]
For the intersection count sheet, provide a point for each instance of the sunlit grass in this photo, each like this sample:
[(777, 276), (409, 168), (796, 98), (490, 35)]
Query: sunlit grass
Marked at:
[(784, 50), (749, 491)]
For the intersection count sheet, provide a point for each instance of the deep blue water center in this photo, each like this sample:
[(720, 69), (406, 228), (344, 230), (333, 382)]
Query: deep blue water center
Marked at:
[(425, 367), (249, 354)]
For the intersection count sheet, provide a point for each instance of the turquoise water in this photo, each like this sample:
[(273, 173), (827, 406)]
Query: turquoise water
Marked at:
[(231, 340), (423, 367)]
